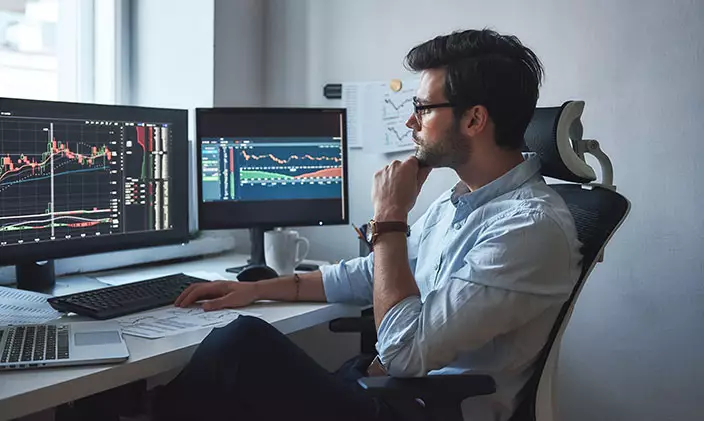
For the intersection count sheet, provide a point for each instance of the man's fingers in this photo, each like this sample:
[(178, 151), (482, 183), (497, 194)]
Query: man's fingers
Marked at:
[(184, 293), (199, 292), (412, 160), (189, 296), (218, 303)]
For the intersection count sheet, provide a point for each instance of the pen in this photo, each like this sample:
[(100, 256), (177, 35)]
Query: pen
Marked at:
[(359, 233), (363, 237)]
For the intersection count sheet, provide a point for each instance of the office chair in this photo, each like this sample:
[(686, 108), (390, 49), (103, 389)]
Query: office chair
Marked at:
[(555, 134)]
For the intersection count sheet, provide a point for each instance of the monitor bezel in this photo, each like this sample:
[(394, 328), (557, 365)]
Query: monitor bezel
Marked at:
[(179, 191), (205, 224)]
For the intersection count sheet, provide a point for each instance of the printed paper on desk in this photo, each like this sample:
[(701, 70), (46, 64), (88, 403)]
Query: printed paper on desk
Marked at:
[(19, 307), (175, 320)]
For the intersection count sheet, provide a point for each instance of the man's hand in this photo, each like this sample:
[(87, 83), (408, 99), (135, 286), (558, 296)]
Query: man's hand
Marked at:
[(396, 188), (221, 294)]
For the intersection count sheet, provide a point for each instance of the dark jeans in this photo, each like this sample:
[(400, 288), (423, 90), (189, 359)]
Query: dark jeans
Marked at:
[(248, 370)]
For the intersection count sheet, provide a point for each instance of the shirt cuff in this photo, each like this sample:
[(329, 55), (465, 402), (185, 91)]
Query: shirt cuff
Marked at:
[(336, 284)]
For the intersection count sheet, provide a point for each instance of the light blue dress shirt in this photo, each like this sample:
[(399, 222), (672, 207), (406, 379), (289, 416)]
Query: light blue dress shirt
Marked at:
[(493, 267)]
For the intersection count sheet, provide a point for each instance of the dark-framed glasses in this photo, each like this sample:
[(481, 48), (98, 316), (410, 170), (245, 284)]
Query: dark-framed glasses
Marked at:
[(419, 108)]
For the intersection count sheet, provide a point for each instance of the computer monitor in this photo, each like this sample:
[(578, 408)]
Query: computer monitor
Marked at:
[(77, 179), (261, 168)]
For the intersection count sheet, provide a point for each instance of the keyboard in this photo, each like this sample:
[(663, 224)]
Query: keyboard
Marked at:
[(115, 301), (35, 343)]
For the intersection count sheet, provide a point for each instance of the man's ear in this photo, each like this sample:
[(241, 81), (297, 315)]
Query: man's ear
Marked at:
[(475, 120)]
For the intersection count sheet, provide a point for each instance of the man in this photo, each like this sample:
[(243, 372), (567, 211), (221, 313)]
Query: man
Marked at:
[(475, 287)]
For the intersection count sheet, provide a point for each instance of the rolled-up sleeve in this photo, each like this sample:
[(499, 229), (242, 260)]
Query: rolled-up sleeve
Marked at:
[(352, 281), (349, 281), (509, 278)]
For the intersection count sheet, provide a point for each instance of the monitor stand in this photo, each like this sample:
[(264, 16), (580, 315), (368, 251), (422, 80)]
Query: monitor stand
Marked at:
[(36, 276), (256, 238)]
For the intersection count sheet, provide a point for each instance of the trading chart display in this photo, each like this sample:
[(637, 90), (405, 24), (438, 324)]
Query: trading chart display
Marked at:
[(257, 169), (64, 178)]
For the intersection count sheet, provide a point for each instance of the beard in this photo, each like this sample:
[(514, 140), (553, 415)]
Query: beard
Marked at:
[(452, 150)]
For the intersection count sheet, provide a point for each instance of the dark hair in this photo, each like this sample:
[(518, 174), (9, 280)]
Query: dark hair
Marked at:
[(489, 69)]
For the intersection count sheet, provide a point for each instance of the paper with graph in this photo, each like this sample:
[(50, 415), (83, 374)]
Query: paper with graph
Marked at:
[(377, 114), (170, 321)]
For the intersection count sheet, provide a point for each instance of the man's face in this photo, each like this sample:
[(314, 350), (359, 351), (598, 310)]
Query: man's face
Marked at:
[(436, 132)]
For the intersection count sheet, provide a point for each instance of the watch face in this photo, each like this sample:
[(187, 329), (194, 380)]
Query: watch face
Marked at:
[(370, 234)]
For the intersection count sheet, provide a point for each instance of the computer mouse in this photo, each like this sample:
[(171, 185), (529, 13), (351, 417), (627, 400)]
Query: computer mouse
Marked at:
[(256, 273)]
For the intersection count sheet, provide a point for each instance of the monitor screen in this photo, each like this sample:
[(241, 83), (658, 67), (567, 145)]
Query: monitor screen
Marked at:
[(78, 178), (271, 167)]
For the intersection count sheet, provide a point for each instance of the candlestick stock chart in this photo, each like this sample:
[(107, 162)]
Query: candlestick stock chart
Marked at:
[(62, 179)]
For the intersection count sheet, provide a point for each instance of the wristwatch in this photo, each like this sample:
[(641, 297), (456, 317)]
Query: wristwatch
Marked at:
[(376, 228)]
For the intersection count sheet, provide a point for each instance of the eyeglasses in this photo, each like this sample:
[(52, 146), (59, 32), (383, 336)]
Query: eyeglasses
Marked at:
[(419, 108)]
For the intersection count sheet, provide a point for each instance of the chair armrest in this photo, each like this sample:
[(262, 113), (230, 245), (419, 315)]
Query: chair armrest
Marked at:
[(353, 324), (434, 388)]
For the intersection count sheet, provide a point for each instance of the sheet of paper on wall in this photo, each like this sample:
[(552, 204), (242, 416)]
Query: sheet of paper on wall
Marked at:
[(376, 115), (351, 101), (18, 307)]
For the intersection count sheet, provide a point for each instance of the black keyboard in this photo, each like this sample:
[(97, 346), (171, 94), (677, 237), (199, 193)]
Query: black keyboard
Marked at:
[(106, 303)]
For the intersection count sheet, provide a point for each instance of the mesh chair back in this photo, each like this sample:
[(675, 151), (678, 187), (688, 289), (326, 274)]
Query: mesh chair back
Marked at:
[(597, 214)]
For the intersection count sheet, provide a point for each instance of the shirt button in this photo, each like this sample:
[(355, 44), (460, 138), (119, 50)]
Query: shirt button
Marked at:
[(458, 225)]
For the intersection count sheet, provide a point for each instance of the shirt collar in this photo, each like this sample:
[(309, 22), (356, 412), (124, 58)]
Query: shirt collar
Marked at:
[(517, 176)]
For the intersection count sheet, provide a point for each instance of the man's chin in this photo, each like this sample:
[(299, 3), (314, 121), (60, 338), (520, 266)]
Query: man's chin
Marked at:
[(422, 157), (423, 163)]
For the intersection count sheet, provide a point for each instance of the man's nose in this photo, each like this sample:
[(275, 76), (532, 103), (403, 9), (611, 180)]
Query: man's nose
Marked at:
[(412, 122)]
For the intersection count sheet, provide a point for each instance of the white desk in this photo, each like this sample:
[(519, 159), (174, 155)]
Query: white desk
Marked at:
[(26, 392)]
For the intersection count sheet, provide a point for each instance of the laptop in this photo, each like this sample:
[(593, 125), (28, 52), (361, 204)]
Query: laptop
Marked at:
[(61, 344)]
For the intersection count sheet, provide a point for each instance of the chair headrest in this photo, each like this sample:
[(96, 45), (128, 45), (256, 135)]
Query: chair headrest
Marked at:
[(550, 134)]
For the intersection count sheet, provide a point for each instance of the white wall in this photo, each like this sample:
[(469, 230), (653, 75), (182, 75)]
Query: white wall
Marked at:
[(172, 54), (634, 348), (239, 53)]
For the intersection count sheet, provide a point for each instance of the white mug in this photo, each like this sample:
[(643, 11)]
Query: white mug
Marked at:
[(282, 250)]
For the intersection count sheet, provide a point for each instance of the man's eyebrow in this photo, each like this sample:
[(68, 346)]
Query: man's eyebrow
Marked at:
[(420, 100)]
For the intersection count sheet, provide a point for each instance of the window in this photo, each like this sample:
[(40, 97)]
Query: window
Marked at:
[(52, 50), (28, 50)]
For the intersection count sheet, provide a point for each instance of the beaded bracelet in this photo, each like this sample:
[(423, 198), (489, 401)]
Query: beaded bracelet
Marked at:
[(297, 280)]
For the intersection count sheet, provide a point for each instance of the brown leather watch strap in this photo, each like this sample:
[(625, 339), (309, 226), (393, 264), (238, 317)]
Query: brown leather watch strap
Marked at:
[(382, 227), (391, 226)]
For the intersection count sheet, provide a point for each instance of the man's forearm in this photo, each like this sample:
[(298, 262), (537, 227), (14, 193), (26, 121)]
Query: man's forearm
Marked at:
[(393, 279), (284, 288)]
